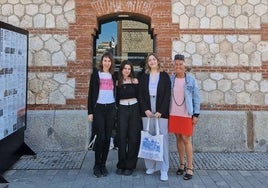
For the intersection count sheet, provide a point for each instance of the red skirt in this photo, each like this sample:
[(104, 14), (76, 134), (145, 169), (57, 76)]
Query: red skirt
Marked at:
[(180, 125)]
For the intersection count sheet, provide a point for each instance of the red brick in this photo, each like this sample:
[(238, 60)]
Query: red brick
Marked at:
[(158, 14)]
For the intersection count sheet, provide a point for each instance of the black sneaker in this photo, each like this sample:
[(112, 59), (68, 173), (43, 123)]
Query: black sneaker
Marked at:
[(128, 172), (119, 171), (97, 172), (104, 171)]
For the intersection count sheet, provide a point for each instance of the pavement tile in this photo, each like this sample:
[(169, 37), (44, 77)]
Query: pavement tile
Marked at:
[(211, 170)]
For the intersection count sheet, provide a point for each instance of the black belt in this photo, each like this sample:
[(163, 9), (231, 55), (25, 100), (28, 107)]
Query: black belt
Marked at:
[(108, 104)]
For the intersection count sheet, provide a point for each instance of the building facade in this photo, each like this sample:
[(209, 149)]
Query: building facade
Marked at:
[(224, 41)]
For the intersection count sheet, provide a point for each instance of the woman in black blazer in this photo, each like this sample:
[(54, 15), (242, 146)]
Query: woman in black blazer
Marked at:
[(102, 110), (154, 100)]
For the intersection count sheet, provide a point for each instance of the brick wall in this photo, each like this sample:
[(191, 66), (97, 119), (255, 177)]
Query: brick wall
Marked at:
[(83, 30), (158, 14)]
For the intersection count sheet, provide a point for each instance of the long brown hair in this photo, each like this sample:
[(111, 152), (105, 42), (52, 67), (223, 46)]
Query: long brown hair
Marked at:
[(110, 56), (120, 75)]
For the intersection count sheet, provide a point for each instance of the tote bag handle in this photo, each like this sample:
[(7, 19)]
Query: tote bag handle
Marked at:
[(92, 143), (156, 126)]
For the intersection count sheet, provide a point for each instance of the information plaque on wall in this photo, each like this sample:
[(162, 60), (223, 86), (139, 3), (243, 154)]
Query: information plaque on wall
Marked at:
[(13, 80)]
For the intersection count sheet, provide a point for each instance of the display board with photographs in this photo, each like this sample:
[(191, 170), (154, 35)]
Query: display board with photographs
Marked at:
[(13, 80)]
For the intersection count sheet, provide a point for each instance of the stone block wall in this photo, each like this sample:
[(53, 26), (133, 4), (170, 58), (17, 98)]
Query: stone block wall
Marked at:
[(226, 45), (229, 53), (260, 132), (235, 131), (221, 131), (57, 130)]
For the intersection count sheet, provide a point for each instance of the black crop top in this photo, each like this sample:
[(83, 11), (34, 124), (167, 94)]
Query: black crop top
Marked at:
[(127, 91)]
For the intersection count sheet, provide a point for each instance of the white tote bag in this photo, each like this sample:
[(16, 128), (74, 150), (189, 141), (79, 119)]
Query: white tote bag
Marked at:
[(151, 146)]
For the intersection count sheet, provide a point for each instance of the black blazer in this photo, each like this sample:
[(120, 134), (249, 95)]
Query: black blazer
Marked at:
[(93, 92), (162, 96)]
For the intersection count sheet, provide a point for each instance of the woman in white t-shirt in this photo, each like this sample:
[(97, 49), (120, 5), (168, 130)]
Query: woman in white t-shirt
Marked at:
[(102, 110)]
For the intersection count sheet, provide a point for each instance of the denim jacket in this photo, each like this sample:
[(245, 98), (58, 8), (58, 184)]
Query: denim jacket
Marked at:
[(191, 93)]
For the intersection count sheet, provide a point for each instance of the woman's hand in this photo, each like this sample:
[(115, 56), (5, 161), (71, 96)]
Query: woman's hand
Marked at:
[(157, 115), (149, 114), (195, 119), (90, 117)]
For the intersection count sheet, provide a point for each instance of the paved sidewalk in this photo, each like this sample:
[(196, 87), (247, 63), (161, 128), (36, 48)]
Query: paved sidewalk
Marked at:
[(74, 170)]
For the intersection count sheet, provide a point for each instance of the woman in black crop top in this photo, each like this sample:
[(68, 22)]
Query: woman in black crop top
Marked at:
[(129, 120)]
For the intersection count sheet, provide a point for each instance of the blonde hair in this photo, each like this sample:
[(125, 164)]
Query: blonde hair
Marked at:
[(147, 67)]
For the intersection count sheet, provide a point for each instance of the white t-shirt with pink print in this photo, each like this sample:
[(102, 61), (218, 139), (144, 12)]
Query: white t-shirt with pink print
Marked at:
[(106, 94)]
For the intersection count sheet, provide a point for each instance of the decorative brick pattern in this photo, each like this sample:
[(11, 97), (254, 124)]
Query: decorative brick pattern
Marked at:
[(225, 43)]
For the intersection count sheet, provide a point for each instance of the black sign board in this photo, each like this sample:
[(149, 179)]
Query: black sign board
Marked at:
[(13, 94)]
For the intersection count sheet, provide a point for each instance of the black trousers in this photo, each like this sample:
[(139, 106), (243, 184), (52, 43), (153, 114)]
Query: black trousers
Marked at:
[(129, 130), (104, 118)]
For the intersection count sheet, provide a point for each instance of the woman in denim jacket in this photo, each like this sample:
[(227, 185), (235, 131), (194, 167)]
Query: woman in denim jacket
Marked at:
[(184, 112)]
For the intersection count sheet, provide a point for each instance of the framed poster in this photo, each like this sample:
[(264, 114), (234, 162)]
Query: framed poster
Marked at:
[(13, 79)]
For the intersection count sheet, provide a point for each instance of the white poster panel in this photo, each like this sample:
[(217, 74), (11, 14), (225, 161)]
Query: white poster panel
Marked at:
[(13, 74)]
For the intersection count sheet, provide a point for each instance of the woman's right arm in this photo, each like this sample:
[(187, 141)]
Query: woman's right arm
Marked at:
[(90, 95)]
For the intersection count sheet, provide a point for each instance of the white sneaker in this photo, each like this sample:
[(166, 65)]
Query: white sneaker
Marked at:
[(163, 176), (150, 171)]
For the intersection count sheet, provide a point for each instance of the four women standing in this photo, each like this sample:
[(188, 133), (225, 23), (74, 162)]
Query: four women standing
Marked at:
[(150, 96)]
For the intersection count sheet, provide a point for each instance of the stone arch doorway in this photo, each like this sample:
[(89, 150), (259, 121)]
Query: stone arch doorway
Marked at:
[(89, 14), (126, 36)]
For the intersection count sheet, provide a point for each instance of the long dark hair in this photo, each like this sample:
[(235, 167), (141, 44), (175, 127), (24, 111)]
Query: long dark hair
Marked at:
[(110, 56), (120, 75)]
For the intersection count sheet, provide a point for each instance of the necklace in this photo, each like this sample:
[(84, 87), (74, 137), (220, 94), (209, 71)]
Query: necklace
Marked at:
[(126, 80), (174, 97)]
